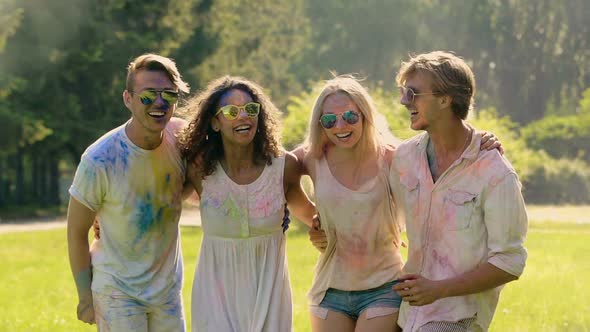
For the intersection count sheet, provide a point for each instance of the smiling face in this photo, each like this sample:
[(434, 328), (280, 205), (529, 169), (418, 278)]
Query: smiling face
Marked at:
[(150, 119), (425, 109), (240, 130), (342, 134)]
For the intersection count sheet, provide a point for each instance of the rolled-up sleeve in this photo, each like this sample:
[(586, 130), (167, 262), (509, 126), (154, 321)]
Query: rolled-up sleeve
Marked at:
[(506, 222), (88, 186)]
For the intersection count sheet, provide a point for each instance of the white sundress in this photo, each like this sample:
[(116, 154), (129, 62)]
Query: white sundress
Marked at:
[(241, 280)]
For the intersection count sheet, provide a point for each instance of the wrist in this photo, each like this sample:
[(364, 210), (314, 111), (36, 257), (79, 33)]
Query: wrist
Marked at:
[(444, 289)]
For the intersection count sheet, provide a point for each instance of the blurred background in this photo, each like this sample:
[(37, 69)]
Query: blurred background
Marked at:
[(63, 68)]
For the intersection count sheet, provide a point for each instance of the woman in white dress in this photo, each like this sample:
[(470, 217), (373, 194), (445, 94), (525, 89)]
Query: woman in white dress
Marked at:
[(243, 179)]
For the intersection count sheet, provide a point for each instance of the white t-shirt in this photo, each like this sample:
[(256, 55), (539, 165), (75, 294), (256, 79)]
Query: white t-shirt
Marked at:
[(137, 195)]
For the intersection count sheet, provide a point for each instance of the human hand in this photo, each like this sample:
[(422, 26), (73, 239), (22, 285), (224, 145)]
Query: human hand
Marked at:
[(317, 236), (489, 141), (96, 229), (85, 310), (417, 290)]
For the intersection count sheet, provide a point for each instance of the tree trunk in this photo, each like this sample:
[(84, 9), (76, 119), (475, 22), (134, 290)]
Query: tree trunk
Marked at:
[(3, 171), (54, 181), (20, 177), (43, 186), (35, 176)]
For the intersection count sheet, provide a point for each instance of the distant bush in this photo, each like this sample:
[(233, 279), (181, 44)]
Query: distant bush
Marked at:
[(563, 136), (558, 181), (560, 136)]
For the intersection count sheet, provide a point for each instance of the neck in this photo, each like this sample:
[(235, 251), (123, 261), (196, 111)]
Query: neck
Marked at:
[(238, 158), (143, 138), (450, 138), (342, 154)]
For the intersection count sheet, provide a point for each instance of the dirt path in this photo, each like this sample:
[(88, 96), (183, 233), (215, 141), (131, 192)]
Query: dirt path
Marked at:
[(192, 217), (189, 217)]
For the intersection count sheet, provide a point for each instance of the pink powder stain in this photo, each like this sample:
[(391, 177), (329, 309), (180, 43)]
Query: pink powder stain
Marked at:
[(443, 263), (353, 250)]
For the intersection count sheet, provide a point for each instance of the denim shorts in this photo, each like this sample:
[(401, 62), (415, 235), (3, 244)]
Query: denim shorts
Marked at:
[(379, 301)]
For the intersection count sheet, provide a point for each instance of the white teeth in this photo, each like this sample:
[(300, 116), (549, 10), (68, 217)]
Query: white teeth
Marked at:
[(156, 113), (344, 135), (244, 127)]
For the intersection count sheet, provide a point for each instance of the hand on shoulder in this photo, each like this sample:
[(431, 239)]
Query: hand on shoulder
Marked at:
[(177, 124)]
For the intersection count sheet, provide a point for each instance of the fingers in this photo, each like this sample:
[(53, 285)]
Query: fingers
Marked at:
[(86, 313), (318, 239), (316, 224)]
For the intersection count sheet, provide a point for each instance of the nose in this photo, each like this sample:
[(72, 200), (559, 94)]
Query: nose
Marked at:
[(159, 100), (340, 123), (242, 113)]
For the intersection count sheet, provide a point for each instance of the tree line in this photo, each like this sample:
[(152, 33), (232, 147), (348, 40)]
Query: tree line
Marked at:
[(62, 64)]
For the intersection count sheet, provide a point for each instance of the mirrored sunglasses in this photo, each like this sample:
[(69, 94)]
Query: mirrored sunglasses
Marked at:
[(148, 97), (232, 111), (329, 120)]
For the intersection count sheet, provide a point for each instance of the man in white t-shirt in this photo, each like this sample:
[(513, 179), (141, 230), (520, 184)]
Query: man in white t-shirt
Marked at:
[(131, 180)]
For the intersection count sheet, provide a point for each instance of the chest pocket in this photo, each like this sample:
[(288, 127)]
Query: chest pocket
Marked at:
[(459, 209)]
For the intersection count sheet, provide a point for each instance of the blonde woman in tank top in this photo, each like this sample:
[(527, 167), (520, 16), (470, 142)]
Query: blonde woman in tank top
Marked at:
[(348, 164), (243, 179), (348, 161)]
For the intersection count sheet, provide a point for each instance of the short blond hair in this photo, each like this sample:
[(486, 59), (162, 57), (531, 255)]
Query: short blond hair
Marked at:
[(346, 84), (154, 62), (450, 75)]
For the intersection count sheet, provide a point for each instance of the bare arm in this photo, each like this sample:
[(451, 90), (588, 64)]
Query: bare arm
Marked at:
[(297, 200), (80, 219)]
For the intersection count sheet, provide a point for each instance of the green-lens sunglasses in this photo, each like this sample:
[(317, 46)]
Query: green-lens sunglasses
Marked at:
[(149, 96), (329, 120)]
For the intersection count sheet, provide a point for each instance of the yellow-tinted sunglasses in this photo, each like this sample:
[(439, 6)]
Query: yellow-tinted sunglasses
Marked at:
[(231, 112)]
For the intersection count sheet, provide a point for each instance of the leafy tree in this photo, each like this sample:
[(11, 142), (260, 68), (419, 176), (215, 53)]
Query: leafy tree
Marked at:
[(259, 42)]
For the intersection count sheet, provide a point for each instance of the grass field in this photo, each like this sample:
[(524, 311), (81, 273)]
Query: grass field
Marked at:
[(37, 292)]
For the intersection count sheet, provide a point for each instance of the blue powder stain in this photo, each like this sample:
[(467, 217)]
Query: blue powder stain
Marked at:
[(148, 216), (113, 154), (124, 154)]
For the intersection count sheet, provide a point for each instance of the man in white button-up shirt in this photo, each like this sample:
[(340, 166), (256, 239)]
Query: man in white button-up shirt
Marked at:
[(465, 215)]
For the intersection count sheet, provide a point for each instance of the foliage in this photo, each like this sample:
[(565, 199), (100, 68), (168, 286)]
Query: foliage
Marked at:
[(62, 64), (558, 181), (560, 136), (296, 122), (259, 42)]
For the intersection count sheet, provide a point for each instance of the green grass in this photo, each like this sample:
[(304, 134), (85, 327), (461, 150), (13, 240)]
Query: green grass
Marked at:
[(37, 292)]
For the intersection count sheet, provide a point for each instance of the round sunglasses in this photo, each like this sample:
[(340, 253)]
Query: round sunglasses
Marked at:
[(329, 120), (231, 112), (149, 96), (409, 94)]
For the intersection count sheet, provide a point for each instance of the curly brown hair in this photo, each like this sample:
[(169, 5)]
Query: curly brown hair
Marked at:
[(200, 144)]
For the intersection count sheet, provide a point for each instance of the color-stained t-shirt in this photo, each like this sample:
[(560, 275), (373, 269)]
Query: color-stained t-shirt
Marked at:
[(137, 196), (473, 214)]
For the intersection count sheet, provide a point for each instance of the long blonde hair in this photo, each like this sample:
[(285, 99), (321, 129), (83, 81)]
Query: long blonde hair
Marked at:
[(317, 141)]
